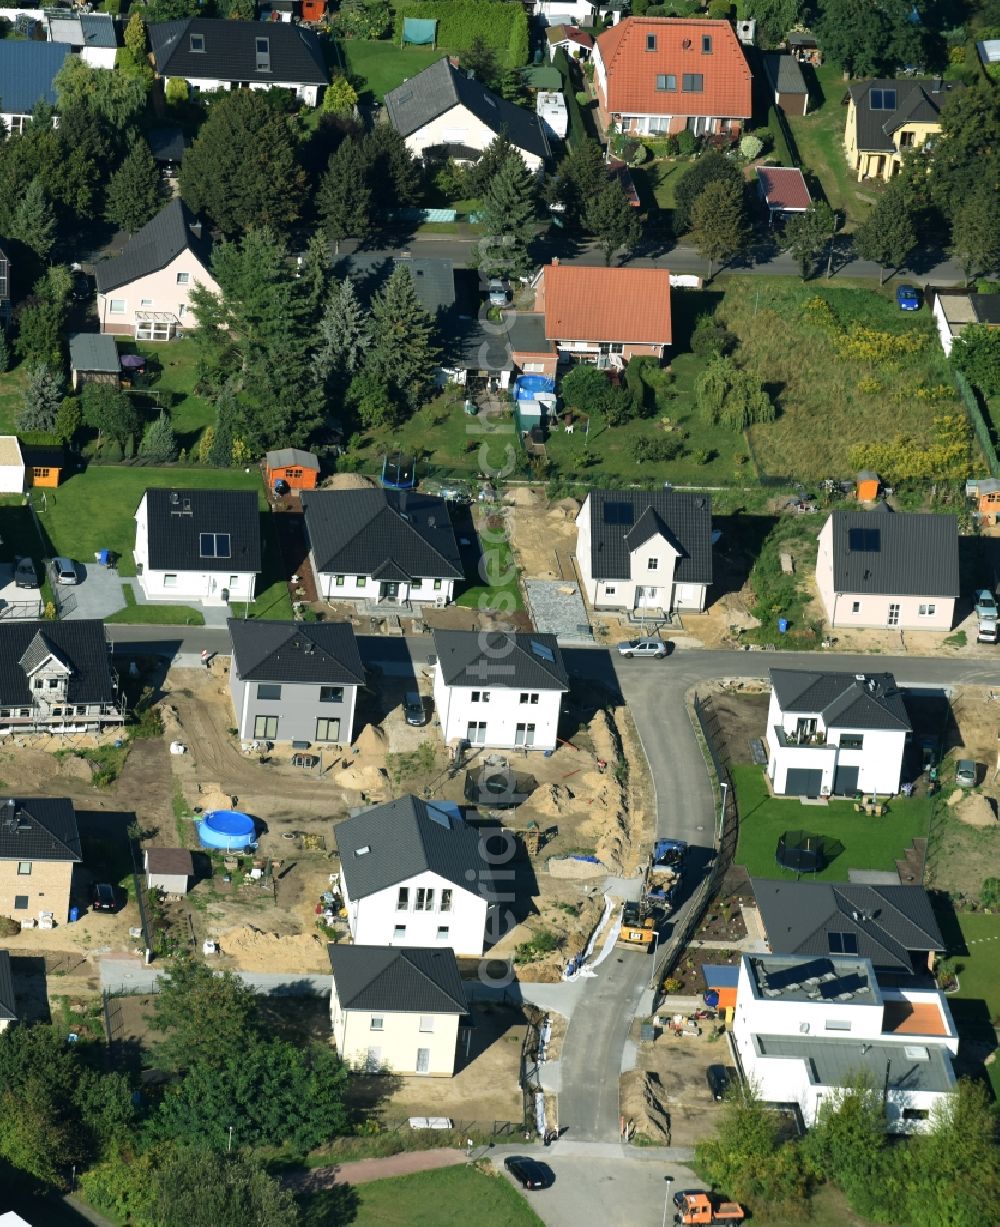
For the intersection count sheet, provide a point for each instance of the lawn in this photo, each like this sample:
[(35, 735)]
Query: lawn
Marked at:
[(11, 386), (383, 65), (172, 377), (868, 843), (656, 182), (979, 970), (496, 588), (155, 615), (449, 1197)]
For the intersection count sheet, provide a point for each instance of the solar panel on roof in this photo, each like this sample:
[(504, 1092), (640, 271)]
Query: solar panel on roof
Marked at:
[(864, 540), (619, 513)]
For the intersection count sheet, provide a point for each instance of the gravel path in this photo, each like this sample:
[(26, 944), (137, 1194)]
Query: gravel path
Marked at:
[(365, 1170)]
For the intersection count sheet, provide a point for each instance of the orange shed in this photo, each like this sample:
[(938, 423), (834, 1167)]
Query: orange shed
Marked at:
[(43, 466), (299, 470), (868, 486), (313, 10), (988, 495)]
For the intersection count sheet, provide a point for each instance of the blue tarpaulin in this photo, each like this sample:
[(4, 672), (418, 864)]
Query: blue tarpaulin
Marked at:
[(419, 31)]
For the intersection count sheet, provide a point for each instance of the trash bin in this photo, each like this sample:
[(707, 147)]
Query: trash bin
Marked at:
[(782, 626), (74, 914)]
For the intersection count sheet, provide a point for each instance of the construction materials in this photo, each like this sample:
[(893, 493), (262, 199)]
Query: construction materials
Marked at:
[(664, 874)]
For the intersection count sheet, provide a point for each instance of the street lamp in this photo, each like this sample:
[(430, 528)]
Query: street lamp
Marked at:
[(230, 1138), (666, 1198), (656, 943), (723, 788)]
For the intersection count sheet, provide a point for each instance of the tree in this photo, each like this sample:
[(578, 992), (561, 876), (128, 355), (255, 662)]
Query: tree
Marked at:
[(195, 1188), (34, 222), (343, 334), (119, 98), (171, 10), (869, 39), (732, 397), (41, 319), (482, 61), (242, 169), (711, 167), (340, 98), (581, 175), (344, 198), (40, 399), (718, 222), (135, 36), (775, 18), (111, 413), (394, 175), (202, 1015), (220, 451), (158, 440), (507, 216), (807, 234), (403, 350), (369, 398), (847, 1141), (887, 235), (976, 353), (967, 153), (975, 231), (612, 219), (134, 190), (711, 337), (69, 420), (4, 350)]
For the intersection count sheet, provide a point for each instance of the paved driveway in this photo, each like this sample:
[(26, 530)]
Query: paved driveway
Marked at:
[(97, 593)]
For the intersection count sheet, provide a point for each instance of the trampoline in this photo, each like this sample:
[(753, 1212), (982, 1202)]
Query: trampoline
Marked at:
[(801, 852)]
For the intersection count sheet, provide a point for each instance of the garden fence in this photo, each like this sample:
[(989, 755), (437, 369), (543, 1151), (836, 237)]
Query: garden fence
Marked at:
[(979, 424)]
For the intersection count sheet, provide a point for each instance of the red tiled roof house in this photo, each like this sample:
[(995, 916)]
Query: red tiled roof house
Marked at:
[(660, 75)]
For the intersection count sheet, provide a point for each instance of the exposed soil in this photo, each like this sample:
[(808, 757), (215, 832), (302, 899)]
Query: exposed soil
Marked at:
[(542, 534), (678, 1064)]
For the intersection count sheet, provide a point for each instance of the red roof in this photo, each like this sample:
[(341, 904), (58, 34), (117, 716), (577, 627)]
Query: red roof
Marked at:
[(679, 50), (784, 188), (569, 34), (607, 304)]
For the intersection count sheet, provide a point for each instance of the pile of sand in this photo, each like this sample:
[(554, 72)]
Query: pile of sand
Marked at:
[(347, 481), (643, 1107), (371, 743), (254, 950), (603, 738), (373, 781), (211, 796), (975, 810), (522, 496), (552, 800)]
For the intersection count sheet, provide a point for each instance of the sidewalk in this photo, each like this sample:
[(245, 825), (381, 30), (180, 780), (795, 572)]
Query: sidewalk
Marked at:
[(365, 1170)]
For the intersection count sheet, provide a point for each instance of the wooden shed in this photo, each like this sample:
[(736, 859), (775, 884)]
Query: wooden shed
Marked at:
[(313, 10), (43, 463), (93, 358), (988, 500), (169, 870), (299, 470), (868, 486)]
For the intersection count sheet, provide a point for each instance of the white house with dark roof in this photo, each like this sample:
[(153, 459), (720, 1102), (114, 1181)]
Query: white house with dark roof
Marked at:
[(394, 546), (645, 550), (197, 545), (28, 70), (881, 568), (211, 54), (835, 733), (397, 1010), (39, 846), (498, 689), (145, 291), (805, 1028), (295, 681), (415, 873), (443, 110)]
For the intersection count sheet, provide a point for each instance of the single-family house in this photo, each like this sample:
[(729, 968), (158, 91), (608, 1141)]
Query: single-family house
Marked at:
[(835, 733), (91, 36), (297, 469), (397, 1010), (660, 75), (892, 926), (43, 463), (8, 1002), (5, 303), (577, 43), (783, 190), (39, 845), (295, 681), (197, 545), (531, 351), (93, 358), (787, 84), (381, 545), (806, 1027), (443, 111), (28, 70), (415, 873), (887, 119), (888, 569), (11, 465), (499, 689), (577, 12), (168, 869), (56, 677), (956, 310), (211, 54), (145, 291), (645, 549), (605, 315)]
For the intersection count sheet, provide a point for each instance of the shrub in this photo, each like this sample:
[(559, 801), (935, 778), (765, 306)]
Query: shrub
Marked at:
[(766, 138), (719, 10), (990, 893), (646, 450), (356, 20), (582, 98), (711, 337), (687, 143), (176, 90), (751, 147), (704, 455), (8, 927)]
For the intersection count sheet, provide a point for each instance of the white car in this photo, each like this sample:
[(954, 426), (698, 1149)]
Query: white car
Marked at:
[(644, 647)]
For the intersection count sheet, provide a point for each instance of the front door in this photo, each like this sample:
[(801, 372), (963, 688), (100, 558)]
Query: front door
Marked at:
[(646, 597), (423, 1060), (388, 592), (894, 615)]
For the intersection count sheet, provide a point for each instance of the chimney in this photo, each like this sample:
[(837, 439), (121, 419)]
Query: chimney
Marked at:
[(936, 87), (555, 261), (195, 229)]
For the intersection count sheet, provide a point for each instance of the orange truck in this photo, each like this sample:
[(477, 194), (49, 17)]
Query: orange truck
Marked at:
[(694, 1207)]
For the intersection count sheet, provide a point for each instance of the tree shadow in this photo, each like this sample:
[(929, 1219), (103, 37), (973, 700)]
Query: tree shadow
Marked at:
[(336, 1207), (740, 543), (685, 308)]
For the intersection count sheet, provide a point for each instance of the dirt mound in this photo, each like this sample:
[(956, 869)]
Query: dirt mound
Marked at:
[(566, 508), (643, 1105), (603, 738), (615, 842), (347, 481), (254, 950), (211, 796), (371, 743), (522, 496), (373, 781), (976, 810), (552, 800)]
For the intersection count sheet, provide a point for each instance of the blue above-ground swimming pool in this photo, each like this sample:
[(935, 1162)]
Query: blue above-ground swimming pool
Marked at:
[(227, 829), (527, 387)]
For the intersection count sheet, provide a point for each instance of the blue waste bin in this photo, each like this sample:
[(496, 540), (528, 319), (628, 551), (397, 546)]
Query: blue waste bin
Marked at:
[(782, 626), (74, 914)]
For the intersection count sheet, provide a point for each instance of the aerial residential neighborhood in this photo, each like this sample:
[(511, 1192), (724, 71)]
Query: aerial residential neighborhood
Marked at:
[(499, 579)]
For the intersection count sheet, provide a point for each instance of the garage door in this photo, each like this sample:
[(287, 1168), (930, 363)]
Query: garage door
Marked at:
[(802, 783), (845, 781)]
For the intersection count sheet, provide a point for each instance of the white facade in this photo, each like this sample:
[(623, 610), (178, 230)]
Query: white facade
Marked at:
[(11, 465), (551, 108), (336, 587), (425, 910), (496, 717), (309, 94), (402, 1041), (570, 12), (158, 306), (458, 126), (810, 745)]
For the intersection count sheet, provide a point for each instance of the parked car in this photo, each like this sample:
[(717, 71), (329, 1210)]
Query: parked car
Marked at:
[(499, 294), (81, 287), (643, 647), (104, 897), (528, 1172), (718, 1079), (25, 575), (986, 605), (413, 708), (965, 773), (907, 298), (64, 571)]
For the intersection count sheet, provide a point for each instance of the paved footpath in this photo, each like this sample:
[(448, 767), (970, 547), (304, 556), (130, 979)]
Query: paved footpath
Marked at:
[(365, 1170)]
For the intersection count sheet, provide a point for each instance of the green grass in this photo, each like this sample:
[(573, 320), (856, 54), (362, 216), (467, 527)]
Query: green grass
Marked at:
[(381, 66), (273, 602), (449, 1197), (979, 970), (155, 615), (498, 589), (869, 843), (175, 383), (11, 387), (656, 182)]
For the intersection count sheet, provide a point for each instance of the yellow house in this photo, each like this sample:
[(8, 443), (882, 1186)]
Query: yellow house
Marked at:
[(39, 845), (397, 1008), (886, 119)]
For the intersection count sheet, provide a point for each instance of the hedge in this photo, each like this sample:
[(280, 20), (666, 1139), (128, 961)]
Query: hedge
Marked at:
[(502, 25), (974, 410)]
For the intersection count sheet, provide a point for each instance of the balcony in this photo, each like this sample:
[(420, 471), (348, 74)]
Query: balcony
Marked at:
[(800, 738)]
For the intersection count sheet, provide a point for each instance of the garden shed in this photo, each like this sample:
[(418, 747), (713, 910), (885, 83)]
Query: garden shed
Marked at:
[(169, 870), (299, 470), (93, 358)]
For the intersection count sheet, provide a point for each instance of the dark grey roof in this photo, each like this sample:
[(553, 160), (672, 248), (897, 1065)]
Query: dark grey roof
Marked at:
[(406, 533), (38, 829), (433, 279), (295, 56), (835, 1062), (37, 652), (285, 457), (619, 523), (500, 660), (845, 700), (986, 307), (478, 345), (404, 838), (93, 351), (82, 645), (416, 979), (8, 1002), (526, 332), (440, 87), (98, 30), (153, 247), (888, 922), (177, 519), (784, 73), (324, 653), (27, 70), (918, 100), (166, 144), (895, 554)]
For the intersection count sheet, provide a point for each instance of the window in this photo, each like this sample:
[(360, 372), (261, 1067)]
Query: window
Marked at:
[(916, 1114), (893, 615), (882, 100), (327, 729), (442, 933), (426, 1022), (38, 683), (268, 692), (524, 734), (650, 42), (263, 49), (233, 581), (838, 1024), (399, 933), (706, 44), (53, 683), (425, 899), (265, 728), (20, 903), (360, 581), (855, 607), (198, 43), (842, 943), (331, 694), (907, 140), (145, 302), (24, 868), (416, 583), (215, 545), (480, 696), (377, 1023), (423, 1060), (926, 611), (524, 697), (40, 472), (852, 741), (170, 581), (609, 590), (437, 585), (666, 81), (338, 581), (403, 899), (692, 83), (117, 306), (475, 732), (652, 564), (446, 900), (183, 278)]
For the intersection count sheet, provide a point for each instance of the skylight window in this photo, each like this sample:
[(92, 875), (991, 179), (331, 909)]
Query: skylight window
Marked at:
[(215, 545), (198, 43), (542, 651), (882, 99)]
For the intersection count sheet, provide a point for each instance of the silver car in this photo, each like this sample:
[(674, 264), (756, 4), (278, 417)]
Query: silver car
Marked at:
[(965, 773), (64, 571), (643, 647)]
